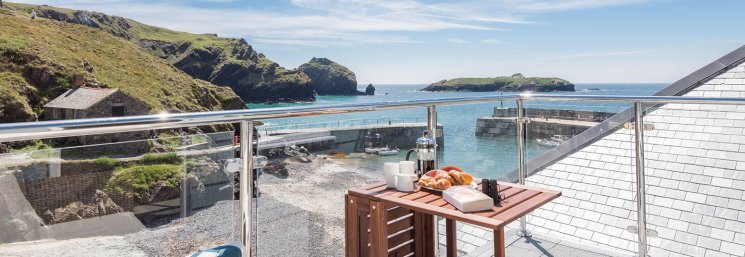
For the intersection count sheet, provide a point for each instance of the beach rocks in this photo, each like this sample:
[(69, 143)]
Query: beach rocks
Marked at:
[(100, 205), (278, 169)]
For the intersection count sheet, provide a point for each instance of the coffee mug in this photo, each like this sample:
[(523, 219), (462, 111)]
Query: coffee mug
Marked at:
[(405, 182), (407, 167), (391, 169)]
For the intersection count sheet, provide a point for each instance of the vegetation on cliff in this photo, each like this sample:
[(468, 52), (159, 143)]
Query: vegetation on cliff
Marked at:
[(222, 61), (39, 57), (330, 78), (514, 83)]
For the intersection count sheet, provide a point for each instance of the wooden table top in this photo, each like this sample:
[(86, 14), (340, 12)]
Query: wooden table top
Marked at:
[(519, 200)]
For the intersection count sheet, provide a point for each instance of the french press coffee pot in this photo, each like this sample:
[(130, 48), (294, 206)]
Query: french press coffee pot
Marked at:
[(425, 153)]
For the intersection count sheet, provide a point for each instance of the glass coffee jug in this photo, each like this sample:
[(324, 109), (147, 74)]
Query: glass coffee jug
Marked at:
[(425, 153)]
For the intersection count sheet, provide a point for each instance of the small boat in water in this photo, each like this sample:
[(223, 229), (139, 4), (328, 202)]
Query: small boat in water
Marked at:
[(552, 141), (381, 150), (388, 152)]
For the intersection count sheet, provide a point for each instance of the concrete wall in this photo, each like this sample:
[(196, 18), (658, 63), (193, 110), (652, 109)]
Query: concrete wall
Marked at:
[(695, 181), (400, 135), (495, 127), (555, 113)]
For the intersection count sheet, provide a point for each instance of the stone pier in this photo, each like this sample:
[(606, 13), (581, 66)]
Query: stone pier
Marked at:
[(543, 122)]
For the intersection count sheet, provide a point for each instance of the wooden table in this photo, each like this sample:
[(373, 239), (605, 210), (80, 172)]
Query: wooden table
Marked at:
[(384, 222)]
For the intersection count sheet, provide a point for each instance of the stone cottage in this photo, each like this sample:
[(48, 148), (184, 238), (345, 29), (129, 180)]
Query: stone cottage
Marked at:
[(85, 102)]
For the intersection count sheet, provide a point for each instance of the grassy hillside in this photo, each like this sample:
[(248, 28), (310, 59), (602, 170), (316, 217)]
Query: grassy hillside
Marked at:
[(225, 62), (38, 58), (515, 82)]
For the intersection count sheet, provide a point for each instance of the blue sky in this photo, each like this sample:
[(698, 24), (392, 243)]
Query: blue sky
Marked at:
[(423, 41)]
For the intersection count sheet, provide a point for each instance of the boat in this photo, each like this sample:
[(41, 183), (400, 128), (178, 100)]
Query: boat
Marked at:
[(381, 150), (375, 150), (386, 152), (552, 141)]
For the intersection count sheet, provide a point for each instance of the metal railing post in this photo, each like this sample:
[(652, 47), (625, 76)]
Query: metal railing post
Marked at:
[(641, 209), (520, 124), (432, 127), (246, 185)]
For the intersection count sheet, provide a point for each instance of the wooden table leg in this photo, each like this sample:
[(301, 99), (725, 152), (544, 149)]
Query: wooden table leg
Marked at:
[(452, 240), (424, 225), (499, 242)]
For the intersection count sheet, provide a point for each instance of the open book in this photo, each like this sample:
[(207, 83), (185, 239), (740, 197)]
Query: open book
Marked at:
[(467, 199)]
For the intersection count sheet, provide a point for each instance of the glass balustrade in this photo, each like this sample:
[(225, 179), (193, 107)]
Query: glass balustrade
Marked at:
[(172, 192)]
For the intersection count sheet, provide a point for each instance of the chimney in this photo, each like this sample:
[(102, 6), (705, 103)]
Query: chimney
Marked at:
[(78, 80)]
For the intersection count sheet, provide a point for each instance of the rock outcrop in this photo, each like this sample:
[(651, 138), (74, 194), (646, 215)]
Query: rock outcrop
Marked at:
[(100, 205), (235, 65), (330, 78), (370, 90), (515, 83), (39, 58), (226, 62)]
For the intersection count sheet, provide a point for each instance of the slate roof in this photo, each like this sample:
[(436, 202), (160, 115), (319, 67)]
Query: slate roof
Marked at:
[(80, 98), (591, 135)]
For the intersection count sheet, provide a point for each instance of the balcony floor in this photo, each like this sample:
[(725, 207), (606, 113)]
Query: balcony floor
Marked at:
[(539, 245)]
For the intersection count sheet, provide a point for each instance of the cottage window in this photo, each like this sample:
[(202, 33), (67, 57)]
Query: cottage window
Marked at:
[(117, 111)]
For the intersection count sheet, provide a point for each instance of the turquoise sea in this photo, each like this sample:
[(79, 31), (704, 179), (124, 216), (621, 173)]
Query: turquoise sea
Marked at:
[(484, 157)]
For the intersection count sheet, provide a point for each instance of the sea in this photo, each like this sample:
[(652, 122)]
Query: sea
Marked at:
[(483, 157)]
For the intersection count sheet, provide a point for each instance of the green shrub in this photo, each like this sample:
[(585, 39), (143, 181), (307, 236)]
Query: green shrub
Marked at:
[(12, 48), (139, 181), (169, 139), (106, 163), (166, 158)]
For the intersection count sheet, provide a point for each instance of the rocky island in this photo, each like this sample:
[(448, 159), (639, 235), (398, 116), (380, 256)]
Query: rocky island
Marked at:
[(515, 83), (330, 78)]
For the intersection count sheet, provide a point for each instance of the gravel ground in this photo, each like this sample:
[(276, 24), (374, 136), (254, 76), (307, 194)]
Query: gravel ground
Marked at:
[(301, 215)]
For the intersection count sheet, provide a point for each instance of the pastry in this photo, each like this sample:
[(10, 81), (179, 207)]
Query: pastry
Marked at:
[(457, 177), (443, 184)]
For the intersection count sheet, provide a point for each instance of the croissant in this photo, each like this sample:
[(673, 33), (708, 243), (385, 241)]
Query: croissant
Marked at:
[(458, 178), (443, 184)]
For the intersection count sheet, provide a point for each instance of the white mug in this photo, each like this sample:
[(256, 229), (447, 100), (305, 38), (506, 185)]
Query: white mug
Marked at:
[(407, 167), (391, 170), (405, 182)]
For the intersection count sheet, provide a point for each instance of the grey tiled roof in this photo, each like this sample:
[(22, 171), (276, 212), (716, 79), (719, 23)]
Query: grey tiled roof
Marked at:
[(695, 180), (80, 98)]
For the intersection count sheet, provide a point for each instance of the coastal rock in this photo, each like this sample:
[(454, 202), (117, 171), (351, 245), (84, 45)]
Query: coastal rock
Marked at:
[(370, 90), (33, 72), (330, 78), (226, 62), (515, 83), (100, 205)]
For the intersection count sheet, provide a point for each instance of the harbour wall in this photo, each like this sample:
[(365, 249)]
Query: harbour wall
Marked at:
[(346, 139), (543, 122)]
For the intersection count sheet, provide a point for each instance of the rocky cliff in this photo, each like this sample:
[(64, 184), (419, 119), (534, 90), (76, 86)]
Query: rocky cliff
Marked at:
[(514, 83), (222, 61), (330, 78), (39, 57)]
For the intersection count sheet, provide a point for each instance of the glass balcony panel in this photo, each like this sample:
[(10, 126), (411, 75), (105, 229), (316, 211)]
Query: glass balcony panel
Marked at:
[(152, 193), (694, 179), (570, 149)]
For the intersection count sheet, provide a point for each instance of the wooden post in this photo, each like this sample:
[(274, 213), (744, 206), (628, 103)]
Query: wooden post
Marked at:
[(425, 230), (451, 238), (378, 229), (499, 242)]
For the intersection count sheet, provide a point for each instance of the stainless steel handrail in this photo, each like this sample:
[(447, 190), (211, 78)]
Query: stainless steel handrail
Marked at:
[(81, 127)]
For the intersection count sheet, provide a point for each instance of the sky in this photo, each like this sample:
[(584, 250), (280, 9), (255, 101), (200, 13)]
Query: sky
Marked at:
[(424, 41)]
